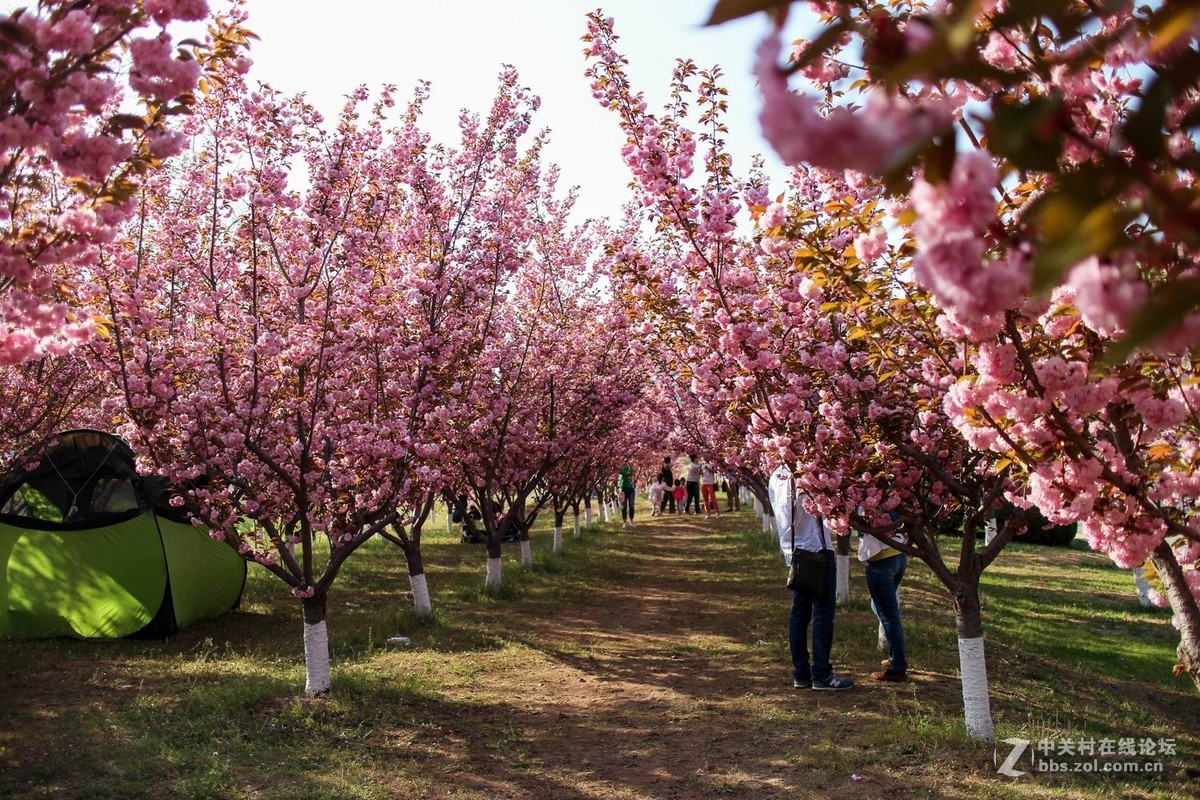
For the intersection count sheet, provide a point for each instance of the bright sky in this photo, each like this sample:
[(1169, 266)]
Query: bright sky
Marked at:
[(326, 49)]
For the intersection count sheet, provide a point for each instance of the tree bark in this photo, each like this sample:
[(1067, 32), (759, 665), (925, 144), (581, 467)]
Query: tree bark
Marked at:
[(422, 604), (316, 647), (1183, 603), (977, 708), (1143, 587), (843, 570), (492, 584)]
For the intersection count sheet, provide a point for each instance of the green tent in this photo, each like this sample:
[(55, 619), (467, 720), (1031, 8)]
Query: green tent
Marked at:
[(90, 549)]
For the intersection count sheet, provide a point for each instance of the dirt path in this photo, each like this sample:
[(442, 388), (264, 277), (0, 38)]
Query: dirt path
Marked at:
[(672, 682)]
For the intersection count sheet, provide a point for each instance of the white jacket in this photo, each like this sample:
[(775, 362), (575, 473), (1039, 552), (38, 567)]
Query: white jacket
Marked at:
[(810, 533)]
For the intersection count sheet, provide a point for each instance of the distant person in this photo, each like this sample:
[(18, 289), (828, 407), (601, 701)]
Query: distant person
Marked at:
[(679, 493), (708, 490), (733, 502), (885, 570), (667, 476), (627, 495), (795, 525), (657, 490), (693, 487)]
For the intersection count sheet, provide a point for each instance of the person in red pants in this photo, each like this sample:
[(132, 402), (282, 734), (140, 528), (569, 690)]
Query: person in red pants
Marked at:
[(708, 490)]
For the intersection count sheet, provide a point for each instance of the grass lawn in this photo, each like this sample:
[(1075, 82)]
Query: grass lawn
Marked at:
[(641, 664)]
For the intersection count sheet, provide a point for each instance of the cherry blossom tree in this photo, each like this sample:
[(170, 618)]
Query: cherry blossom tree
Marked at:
[(549, 374), (87, 95), (1037, 145), (816, 331), (256, 369)]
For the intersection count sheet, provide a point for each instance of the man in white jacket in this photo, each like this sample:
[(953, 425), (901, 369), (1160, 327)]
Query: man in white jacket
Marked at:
[(794, 524)]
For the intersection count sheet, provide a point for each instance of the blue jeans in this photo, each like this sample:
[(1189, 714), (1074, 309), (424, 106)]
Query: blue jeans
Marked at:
[(883, 582), (627, 502), (819, 609)]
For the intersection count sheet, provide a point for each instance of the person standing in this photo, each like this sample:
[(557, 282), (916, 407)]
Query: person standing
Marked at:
[(885, 567), (708, 490), (733, 502), (693, 486), (667, 477), (627, 494), (795, 525)]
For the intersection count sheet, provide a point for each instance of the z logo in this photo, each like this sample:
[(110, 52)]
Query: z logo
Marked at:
[(1019, 748)]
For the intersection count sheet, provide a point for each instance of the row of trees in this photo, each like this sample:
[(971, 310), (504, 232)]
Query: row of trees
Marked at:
[(317, 332), (890, 329), (321, 331)]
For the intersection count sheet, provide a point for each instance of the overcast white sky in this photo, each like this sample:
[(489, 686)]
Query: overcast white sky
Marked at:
[(327, 48)]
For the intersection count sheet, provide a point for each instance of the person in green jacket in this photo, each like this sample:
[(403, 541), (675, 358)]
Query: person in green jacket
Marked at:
[(627, 492)]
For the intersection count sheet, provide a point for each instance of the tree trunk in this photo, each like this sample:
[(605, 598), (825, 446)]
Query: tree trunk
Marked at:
[(527, 554), (603, 512), (843, 570), (1143, 587), (449, 521), (559, 517), (422, 605), (576, 524), (492, 584), (1183, 603), (768, 523), (977, 707), (316, 647)]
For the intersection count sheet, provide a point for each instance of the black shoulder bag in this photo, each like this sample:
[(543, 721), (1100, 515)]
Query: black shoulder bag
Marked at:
[(807, 573)]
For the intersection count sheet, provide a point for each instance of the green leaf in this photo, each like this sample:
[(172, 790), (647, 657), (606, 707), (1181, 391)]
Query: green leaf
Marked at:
[(726, 10), (1027, 134), (124, 121), (1144, 129), (1080, 216)]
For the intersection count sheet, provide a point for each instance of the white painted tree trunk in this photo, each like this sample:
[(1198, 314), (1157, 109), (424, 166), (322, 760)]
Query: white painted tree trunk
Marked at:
[(557, 546), (587, 517), (989, 530), (316, 659), (493, 576), (768, 523), (603, 513), (526, 554), (843, 579), (449, 522), (977, 706), (576, 526), (1143, 587), (758, 509), (421, 602)]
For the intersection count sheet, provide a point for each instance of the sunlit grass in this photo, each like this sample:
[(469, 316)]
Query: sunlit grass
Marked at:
[(215, 711)]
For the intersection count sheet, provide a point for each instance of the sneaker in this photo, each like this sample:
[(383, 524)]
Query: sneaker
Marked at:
[(832, 684), (890, 677), (802, 683)]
